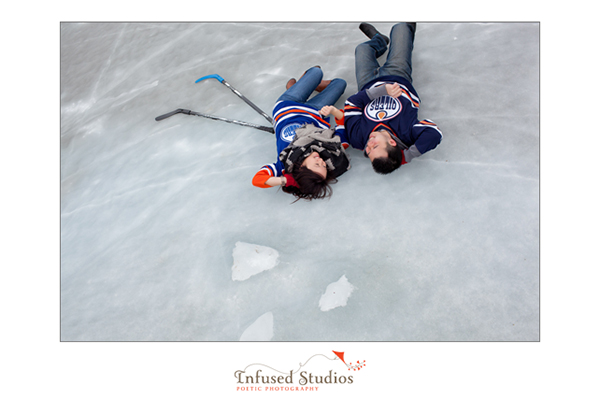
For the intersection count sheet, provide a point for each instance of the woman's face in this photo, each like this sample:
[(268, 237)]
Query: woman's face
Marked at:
[(315, 163)]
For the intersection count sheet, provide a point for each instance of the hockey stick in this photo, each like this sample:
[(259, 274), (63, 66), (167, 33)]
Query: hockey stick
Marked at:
[(231, 121), (234, 90)]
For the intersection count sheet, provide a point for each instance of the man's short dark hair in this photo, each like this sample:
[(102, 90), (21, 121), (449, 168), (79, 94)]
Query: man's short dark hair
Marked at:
[(385, 165)]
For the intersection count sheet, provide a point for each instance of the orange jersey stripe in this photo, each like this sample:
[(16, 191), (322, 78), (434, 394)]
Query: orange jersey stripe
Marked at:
[(407, 95), (278, 117)]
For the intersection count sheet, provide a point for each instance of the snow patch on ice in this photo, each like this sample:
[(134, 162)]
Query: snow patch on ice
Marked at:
[(336, 294), (260, 330), (251, 259)]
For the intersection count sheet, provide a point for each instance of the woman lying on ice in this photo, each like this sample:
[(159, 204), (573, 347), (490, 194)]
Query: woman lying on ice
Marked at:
[(311, 154)]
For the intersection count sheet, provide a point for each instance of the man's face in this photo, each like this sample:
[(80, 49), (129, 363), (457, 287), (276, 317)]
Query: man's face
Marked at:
[(377, 144)]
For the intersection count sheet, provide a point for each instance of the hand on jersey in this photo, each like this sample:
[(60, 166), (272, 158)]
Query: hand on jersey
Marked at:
[(393, 90), (327, 110)]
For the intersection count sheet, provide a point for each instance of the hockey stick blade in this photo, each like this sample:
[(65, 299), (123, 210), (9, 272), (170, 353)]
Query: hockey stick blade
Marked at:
[(167, 115), (213, 76)]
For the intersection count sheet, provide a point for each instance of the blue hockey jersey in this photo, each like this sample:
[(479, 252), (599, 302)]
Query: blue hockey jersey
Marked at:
[(369, 111), (289, 116)]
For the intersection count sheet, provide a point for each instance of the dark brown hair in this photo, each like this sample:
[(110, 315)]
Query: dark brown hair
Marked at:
[(312, 185)]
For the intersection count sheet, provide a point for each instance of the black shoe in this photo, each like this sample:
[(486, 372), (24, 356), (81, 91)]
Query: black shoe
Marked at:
[(370, 31)]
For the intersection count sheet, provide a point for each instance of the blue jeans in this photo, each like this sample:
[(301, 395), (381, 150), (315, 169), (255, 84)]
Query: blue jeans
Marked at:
[(399, 59), (302, 90)]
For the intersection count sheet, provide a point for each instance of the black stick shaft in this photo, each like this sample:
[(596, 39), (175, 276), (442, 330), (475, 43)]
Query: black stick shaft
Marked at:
[(214, 117), (251, 104), (237, 93)]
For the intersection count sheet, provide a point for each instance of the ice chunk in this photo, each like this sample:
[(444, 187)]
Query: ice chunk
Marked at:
[(336, 294), (251, 259), (260, 330)]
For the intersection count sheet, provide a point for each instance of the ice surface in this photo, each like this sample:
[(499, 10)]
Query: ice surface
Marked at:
[(251, 259), (260, 330), (336, 294), (445, 249)]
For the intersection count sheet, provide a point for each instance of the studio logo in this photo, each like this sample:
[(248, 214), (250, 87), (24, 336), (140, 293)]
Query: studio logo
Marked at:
[(354, 367), (383, 108), (323, 371)]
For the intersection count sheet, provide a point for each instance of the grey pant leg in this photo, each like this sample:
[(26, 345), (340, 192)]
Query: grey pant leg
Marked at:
[(399, 59)]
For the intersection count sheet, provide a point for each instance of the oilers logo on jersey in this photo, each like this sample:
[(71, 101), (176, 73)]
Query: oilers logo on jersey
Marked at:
[(289, 132), (383, 108)]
